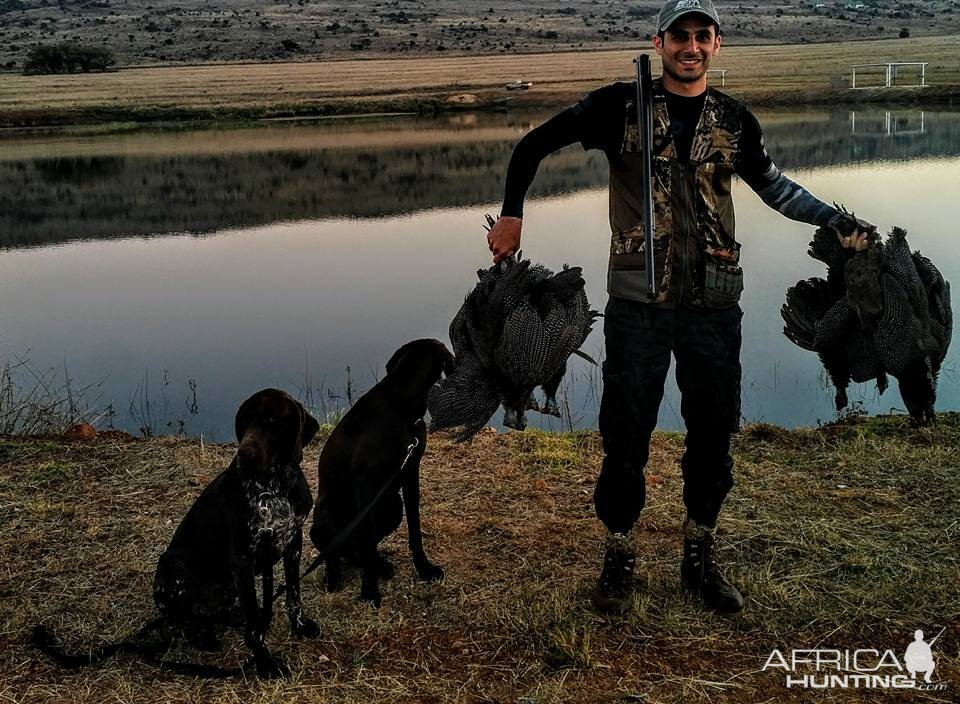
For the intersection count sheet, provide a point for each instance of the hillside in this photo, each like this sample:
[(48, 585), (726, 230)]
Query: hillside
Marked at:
[(190, 31)]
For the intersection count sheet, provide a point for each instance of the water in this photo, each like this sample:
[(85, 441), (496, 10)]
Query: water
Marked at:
[(166, 269)]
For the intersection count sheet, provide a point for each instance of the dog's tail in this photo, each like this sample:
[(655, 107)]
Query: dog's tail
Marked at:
[(45, 641)]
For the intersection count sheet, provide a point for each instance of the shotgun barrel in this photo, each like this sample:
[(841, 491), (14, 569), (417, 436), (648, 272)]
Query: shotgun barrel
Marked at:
[(645, 138)]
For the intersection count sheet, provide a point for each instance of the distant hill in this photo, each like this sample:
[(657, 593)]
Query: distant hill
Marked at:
[(189, 31)]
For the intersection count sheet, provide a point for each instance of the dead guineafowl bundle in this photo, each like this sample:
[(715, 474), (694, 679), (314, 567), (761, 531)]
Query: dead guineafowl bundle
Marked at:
[(881, 311), (514, 332)]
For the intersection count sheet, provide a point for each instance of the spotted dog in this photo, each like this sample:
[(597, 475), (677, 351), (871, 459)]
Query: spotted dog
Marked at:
[(245, 521)]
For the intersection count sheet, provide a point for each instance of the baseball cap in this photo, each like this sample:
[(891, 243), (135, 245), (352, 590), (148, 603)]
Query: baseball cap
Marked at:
[(675, 9)]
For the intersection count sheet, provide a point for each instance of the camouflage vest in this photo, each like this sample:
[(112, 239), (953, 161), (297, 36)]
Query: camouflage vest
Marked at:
[(696, 257)]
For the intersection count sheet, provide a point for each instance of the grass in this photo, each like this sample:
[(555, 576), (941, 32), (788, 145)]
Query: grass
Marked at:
[(34, 401), (800, 73), (843, 536)]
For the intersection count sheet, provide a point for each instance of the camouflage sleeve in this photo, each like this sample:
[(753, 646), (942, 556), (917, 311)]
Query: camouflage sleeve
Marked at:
[(592, 122), (792, 200)]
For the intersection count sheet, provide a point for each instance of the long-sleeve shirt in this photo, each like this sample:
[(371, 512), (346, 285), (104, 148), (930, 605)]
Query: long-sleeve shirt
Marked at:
[(597, 122)]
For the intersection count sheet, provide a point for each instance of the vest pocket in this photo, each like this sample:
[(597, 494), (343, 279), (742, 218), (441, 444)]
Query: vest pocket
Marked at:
[(722, 284)]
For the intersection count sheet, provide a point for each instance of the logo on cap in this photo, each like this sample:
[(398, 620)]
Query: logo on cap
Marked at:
[(687, 4)]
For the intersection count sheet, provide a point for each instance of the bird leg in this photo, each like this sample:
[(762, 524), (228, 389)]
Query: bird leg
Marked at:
[(841, 398), (882, 383), (514, 417), (550, 406)]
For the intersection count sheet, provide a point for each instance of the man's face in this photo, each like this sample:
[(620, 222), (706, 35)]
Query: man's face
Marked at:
[(687, 47)]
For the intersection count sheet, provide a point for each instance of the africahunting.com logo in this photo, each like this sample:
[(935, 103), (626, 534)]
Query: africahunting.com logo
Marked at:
[(865, 668)]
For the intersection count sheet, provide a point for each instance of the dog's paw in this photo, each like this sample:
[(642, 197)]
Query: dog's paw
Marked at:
[(372, 596), (430, 572), (271, 667), (334, 581), (306, 627)]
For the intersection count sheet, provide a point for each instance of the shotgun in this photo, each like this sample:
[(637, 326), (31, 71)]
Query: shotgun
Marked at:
[(645, 138)]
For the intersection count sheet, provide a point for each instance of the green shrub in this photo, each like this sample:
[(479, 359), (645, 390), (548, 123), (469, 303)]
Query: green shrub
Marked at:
[(68, 57)]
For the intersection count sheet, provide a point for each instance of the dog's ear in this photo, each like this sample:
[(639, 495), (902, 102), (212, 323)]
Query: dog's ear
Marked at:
[(397, 358), (308, 426), (245, 416), (447, 359)]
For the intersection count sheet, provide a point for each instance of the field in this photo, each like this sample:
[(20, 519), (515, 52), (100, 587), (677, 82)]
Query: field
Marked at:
[(795, 74), (844, 536)]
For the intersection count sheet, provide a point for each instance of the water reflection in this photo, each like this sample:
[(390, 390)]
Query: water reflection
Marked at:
[(55, 190), (328, 246), (888, 123)]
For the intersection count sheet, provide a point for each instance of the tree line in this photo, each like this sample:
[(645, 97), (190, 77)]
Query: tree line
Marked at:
[(68, 57)]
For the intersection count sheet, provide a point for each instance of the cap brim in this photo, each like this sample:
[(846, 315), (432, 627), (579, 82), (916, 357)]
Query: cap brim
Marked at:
[(683, 13)]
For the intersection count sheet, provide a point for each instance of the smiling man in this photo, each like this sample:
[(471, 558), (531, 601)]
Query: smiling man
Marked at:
[(701, 139)]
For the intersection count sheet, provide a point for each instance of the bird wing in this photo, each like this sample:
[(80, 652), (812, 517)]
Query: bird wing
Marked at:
[(825, 247), (525, 347), (901, 265), (897, 336), (466, 399), (460, 333), (938, 299), (806, 304)]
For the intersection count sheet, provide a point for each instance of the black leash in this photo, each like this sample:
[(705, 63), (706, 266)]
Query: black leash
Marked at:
[(340, 537)]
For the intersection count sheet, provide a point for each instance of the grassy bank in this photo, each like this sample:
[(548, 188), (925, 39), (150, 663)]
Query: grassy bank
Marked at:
[(775, 74), (843, 536)]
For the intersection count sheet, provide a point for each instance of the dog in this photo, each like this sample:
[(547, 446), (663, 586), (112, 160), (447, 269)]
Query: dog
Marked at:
[(371, 458), (246, 520), (249, 518)]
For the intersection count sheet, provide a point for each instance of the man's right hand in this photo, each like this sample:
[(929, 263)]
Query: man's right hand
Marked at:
[(504, 237), (853, 233)]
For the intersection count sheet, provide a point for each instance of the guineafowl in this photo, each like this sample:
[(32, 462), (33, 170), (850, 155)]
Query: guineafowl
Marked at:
[(514, 332), (881, 311)]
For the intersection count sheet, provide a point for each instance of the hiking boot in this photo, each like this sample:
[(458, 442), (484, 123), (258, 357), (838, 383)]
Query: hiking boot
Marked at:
[(700, 573), (614, 591)]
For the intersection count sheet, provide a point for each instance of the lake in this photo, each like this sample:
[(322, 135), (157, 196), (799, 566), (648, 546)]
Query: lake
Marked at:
[(170, 274)]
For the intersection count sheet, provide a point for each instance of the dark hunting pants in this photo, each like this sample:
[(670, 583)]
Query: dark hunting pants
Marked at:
[(639, 339)]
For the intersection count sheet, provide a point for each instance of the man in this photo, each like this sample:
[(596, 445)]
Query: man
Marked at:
[(701, 139)]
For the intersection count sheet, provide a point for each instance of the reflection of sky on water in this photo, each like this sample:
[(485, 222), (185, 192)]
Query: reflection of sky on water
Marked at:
[(279, 305), (782, 383)]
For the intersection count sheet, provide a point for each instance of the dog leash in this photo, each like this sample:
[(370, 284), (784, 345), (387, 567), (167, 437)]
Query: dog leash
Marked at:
[(345, 533)]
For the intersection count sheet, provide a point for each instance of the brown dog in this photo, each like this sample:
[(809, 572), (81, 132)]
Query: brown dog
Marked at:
[(363, 455), (246, 520), (240, 526)]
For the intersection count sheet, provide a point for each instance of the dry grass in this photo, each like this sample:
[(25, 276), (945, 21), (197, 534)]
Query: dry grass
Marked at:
[(794, 73), (844, 536)]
